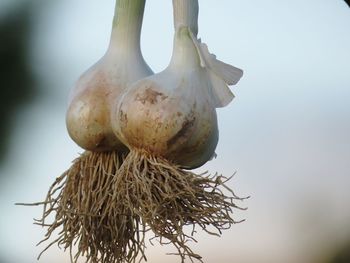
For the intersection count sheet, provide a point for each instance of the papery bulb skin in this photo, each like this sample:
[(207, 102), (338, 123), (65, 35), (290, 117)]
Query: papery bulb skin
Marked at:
[(182, 130), (170, 114), (88, 115)]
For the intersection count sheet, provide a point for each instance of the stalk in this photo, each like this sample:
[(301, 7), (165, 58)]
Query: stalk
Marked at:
[(185, 23), (126, 29), (186, 14)]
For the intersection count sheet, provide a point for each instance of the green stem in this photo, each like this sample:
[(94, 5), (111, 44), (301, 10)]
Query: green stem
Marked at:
[(185, 55), (186, 14), (127, 24)]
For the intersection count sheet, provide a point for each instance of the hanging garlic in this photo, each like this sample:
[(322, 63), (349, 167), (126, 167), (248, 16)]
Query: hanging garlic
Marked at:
[(172, 114), (80, 199), (88, 115), (168, 121)]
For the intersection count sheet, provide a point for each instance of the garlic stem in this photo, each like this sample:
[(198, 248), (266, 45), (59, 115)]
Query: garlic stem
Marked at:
[(185, 55), (186, 14), (127, 23)]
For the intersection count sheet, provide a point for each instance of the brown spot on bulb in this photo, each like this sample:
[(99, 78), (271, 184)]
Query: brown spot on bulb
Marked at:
[(182, 134), (123, 117), (150, 95)]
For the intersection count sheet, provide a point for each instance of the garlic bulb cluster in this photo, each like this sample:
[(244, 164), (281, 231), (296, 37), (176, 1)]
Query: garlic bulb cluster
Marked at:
[(172, 114), (88, 115), (142, 133)]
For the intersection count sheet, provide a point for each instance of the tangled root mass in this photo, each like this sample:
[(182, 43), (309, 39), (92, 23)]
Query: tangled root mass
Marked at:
[(168, 198), (80, 201), (105, 203)]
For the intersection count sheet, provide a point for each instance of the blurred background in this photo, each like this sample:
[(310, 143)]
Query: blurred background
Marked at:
[(287, 133)]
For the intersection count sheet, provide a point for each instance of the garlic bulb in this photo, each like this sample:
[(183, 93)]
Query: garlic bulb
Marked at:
[(172, 114), (79, 202), (88, 116), (168, 121)]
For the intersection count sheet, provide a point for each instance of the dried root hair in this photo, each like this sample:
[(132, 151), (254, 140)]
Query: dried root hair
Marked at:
[(81, 202), (167, 199), (105, 203)]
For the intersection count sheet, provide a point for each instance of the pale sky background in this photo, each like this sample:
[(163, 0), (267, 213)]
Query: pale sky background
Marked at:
[(287, 133)]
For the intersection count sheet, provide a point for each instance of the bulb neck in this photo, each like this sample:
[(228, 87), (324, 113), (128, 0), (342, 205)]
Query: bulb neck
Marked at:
[(185, 55), (127, 24)]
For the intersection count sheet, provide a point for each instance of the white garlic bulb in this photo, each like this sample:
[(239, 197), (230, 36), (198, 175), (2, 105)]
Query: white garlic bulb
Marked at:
[(88, 116), (172, 114)]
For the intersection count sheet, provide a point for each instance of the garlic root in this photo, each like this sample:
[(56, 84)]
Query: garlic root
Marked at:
[(105, 203), (168, 198), (84, 214)]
